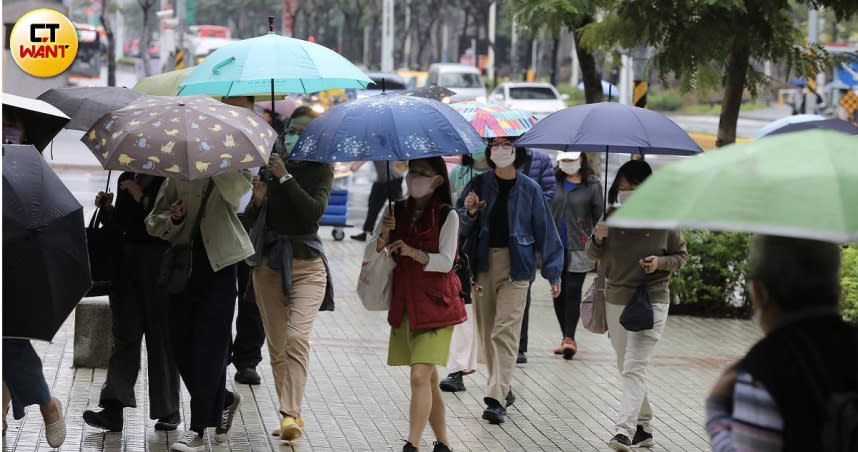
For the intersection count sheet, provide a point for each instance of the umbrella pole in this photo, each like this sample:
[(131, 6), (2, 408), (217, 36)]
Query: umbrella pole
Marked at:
[(107, 188), (274, 116), (389, 193), (606, 178)]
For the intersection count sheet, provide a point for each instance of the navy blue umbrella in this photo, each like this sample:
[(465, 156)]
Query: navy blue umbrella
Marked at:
[(46, 269), (384, 128), (825, 124)]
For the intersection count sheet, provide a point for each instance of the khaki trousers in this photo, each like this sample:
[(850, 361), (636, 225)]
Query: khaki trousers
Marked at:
[(288, 321), (498, 313)]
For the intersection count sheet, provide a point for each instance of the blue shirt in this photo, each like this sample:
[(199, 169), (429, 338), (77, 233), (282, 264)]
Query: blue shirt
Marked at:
[(564, 236)]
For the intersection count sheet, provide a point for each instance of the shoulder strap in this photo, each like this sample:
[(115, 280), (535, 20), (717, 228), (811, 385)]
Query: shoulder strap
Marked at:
[(199, 217)]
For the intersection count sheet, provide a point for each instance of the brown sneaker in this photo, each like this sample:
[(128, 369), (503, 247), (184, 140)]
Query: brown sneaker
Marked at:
[(569, 348), (559, 350)]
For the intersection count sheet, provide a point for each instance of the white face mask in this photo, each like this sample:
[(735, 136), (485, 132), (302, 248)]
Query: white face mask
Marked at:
[(570, 167), (419, 185), (624, 195), (503, 156)]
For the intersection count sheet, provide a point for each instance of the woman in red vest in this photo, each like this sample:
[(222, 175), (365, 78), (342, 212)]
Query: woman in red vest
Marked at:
[(422, 235)]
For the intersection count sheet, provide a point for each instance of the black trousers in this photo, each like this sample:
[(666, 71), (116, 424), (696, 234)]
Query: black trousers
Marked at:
[(200, 329), (378, 197), (567, 306), (249, 333), (139, 309), (522, 341)]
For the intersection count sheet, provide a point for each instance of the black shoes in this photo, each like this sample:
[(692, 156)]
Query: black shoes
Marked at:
[(642, 438), (441, 447), (247, 376), (109, 419), (494, 412), (522, 358), (362, 238), (168, 423), (621, 443), (408, 447), (510, 398), (453, 383)]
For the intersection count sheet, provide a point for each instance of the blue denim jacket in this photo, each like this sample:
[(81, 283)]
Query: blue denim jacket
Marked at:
[(531, 228)]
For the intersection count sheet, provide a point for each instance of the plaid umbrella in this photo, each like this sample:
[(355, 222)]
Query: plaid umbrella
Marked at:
[(494, 120), (84, 105), (181, 137)]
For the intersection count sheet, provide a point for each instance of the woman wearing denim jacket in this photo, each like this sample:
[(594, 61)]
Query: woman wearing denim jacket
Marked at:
[(508, 214)]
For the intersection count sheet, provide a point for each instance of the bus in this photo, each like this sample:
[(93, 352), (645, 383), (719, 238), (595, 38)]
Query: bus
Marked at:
[(92, 46)]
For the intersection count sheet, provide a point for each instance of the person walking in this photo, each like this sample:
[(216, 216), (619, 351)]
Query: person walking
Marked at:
[(290, 276), (511, 220), (576, 207), (463, 344), (539, 168), (631, 256), (387, 185), (423, 234), (201, 315), (24, 380), (138, 308)]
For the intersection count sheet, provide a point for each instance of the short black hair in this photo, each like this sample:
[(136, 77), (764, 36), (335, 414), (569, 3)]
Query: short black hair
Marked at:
[(304, 111), (634, 172), (521, 155), (797, 273)]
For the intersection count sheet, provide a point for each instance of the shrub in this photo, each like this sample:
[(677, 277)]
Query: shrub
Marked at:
[(712, 283), (664, 101), (849, 284), (576, 96)]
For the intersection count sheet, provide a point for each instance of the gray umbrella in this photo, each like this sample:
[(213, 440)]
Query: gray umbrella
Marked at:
[(84, 105), (41, 121), (430, 92)]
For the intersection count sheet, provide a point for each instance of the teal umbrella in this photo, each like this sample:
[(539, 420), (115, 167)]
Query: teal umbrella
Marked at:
[(272, 64), (802, 184)]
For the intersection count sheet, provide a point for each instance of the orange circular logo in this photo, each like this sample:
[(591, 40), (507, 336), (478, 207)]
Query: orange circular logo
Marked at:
[(43, 42)]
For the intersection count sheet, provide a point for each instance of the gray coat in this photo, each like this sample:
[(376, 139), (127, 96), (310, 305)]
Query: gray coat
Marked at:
[(582, 208)]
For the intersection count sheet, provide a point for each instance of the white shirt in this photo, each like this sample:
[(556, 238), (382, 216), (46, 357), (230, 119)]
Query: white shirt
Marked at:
[(440, 262)]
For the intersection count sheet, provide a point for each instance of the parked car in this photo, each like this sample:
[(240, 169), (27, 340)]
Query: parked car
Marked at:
[(466, 81), (391, 82), (540, 99)]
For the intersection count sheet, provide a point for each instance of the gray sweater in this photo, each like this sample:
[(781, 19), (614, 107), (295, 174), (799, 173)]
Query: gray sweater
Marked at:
[(582, 208)]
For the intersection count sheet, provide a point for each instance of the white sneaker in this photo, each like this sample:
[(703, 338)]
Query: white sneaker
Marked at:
[(190, 441), (222, 431)]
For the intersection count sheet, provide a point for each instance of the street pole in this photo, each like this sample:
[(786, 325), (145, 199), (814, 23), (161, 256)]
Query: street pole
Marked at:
[(812, 38), (624, 76), (640, 56), (490, 64), (387, 28), (576, 67), (445, 42), (366, 35), (513, 48), (181, 26), (406, 49)]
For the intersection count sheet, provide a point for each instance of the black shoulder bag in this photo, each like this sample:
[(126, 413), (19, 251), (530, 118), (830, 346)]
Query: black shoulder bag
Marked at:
[(177, 262)]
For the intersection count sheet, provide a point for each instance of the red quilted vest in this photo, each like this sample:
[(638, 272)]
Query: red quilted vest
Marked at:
[(431, 299)]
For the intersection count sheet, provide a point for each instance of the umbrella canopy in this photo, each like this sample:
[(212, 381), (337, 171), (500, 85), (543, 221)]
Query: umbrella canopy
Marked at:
[(431, 92), (44, 246), (609, 127), (825, 124), (786, 120), (181, 137), (84, 105), (165, 84), (269, 63), (41, 120), (836, 84), (798, 185), (493, 121), (386, 127), (608, 88)]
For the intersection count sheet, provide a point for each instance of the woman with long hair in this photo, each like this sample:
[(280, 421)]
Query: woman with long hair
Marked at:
[(632, 256), (422, 234)]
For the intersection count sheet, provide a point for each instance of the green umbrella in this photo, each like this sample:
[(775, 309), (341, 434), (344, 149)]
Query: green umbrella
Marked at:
[(166, 84), (801, 185)]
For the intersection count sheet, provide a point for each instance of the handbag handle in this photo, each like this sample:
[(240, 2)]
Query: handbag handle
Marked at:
[(97, 215)]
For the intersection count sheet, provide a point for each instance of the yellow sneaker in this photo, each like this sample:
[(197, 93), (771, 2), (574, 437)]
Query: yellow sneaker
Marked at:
[(291, 428)]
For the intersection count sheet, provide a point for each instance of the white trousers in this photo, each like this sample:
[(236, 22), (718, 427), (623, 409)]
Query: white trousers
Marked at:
[(463, 345)]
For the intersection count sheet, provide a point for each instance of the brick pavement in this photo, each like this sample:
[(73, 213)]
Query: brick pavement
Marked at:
[(354, 401)]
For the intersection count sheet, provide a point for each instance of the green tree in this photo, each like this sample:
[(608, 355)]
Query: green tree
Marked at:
[(556, 15), (711, 43)]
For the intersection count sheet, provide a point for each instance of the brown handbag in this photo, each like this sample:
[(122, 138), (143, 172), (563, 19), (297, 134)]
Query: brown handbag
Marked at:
[(593, 314), (177, 261)]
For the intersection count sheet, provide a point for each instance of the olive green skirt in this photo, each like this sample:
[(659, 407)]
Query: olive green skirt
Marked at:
[(418, 347)]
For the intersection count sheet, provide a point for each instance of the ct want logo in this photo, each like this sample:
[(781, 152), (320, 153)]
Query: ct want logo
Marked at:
[(44, 43)]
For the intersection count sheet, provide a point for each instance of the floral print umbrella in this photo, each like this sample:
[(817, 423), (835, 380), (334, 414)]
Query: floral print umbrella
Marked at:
[(493, 121), (181, 137)]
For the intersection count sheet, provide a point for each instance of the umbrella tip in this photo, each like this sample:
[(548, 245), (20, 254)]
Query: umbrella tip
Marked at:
[(271, 24)]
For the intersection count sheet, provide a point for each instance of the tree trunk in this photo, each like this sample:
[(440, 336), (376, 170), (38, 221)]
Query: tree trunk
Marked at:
[(734, 87), (589, 72), (111, 49), (554, 62), (146, 5)]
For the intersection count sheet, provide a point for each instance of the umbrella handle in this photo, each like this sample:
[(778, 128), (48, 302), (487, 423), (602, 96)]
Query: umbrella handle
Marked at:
[(107, 187)]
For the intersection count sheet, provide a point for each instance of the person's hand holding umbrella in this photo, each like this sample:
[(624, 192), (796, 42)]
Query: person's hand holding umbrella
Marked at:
[(133, 189), (260, 189), (277, 166)]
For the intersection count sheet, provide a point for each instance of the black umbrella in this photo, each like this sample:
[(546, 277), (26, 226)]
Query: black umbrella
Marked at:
[(825, 124), (85, 105), (431, 92), (46, 268), (41, 120)]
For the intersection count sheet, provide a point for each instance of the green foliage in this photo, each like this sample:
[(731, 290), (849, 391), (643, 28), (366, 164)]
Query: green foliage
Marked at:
[(553, 14), (664, 101), (849, 284), (712, 283), (576, 96)]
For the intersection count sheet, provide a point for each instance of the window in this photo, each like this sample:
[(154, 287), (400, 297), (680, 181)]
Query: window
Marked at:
[(532, 93), (460, 80)]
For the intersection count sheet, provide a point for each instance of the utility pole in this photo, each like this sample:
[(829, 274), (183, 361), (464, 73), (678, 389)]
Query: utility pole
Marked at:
[(387, 30), (812, 38), (513, 48), (574, 79), (490, 64), (181, 26)]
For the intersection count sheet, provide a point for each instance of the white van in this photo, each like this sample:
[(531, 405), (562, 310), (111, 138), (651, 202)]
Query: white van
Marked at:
[(464, 80)]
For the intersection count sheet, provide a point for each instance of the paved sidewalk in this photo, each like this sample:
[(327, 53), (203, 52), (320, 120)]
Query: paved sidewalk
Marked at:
[(354, 401)]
